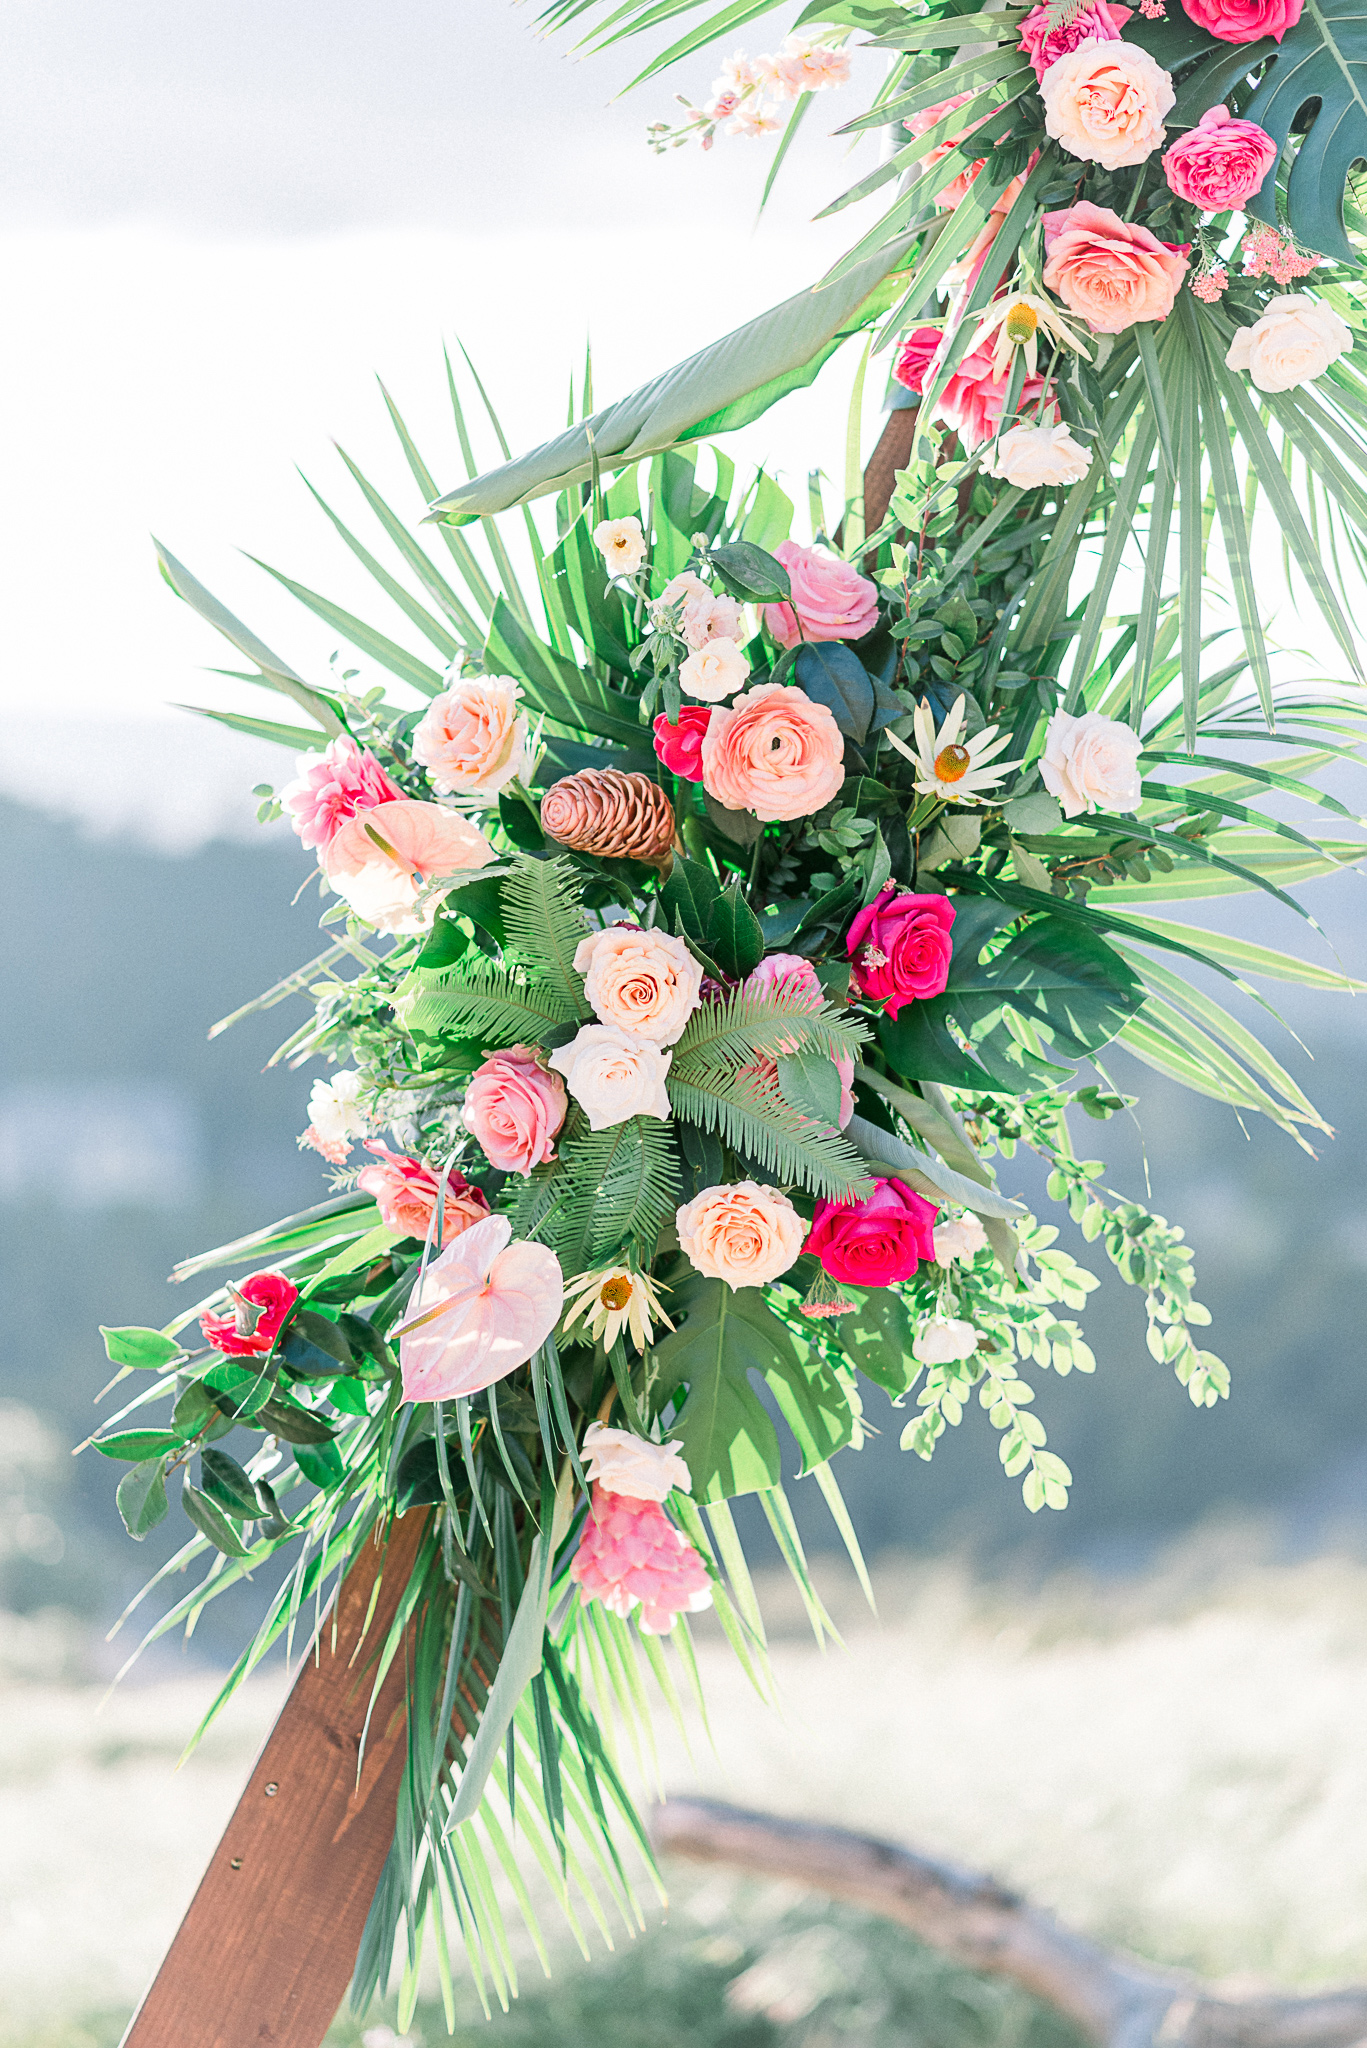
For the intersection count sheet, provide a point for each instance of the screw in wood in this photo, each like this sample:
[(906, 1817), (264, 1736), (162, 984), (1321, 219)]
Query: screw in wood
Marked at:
[(236, 1863), (271, 1790)]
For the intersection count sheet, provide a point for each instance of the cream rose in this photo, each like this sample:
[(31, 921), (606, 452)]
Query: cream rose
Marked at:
[(744, 1234), (1106, 102), (632, 1465), (622, 545), (471, 740), (942, 1339), (1031, 456), (959, 1237), (1090, 763), (707, 614), (1296, 338), (714, 671), (645, 983), (613, 1076)]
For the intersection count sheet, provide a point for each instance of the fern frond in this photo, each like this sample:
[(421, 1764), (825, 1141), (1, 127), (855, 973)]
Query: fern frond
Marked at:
[(620, 1187), (545, 921), (749, 1114), (479, 1001), (745, 1028)]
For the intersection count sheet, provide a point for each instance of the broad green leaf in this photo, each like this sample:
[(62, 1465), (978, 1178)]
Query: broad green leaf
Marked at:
[(132, 1345), (228, 1486), (687, 897), (735, 939), (810, 1081), (137, 1445), (930, 1177), (877, 1338), (749, 572), (832, 674), (211, 1521), (141, 1497), (554, 684)]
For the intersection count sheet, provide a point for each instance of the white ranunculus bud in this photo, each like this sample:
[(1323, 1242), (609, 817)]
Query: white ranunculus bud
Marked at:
[(716, 670), (959, 1237), (631, 1465), (1295, 338)]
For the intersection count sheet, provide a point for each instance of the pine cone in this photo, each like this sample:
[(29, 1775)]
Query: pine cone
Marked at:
[(603, 811)]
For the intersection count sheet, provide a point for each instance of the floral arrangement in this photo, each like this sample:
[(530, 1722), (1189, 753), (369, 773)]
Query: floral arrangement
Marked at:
[(709, 933)]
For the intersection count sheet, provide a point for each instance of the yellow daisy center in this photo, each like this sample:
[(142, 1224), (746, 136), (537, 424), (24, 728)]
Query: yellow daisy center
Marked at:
[(1021, 323), (953, 763), (616, 1292)]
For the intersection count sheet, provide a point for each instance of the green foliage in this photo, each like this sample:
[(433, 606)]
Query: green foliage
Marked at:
[(613, 1192), (545, 922), (138, 1347), (482, 1004)]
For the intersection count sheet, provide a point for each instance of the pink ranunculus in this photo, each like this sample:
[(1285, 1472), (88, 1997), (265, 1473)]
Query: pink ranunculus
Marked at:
[(630, 1554), (974, 399), (1244, 21), (773, 752), (1096, 22), (1112, 272), (915, 356), (406, 1192), (680, 746), (1105, 103), (876, 1242), (245, 1333), (484, 1306), (382, 859), (331, 787), (1220, 162), (830, 601), (900, 949), (514, 1107)]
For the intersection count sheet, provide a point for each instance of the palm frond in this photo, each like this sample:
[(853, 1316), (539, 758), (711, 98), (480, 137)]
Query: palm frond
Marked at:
[(545, 922), (481, 1003)]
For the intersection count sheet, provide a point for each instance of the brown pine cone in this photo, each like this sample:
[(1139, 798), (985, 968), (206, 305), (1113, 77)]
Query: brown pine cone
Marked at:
[(603, 811)]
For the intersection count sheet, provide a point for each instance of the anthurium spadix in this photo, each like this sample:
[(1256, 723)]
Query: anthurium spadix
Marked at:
[(485, 1305)]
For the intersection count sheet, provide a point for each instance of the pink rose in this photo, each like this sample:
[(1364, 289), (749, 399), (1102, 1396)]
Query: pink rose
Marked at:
[(1110, 271), (331, 787), (921, 124), (1105, 102), (680, 746), (644, 982), (381, 860), (406, 1192), (514, 1107), (1097, 22), (914, 358), (973, 400), (787, 974), (471, 740), (1220, 162), (260, 1306), (1244, 21), (900, 948), (875, 1242), (831, 600), (773, 752)]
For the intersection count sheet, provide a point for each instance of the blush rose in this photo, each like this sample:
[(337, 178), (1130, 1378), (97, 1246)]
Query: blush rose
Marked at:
[(743, 1234), (613, 1075), (1294, 339), (514, 1108), (680, 746), (406, 1192), (900, 949), (643, 982), (1105, 103), (773, 752), (1220, 162), (1030, 456), (876, 1242), (471, 740), (830, 600), (1090, 763), (1110, 271)]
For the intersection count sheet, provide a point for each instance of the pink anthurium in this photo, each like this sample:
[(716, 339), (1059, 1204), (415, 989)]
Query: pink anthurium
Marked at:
[(484, 1307)]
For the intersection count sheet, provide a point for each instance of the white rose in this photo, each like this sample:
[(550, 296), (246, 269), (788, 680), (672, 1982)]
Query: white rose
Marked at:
[(622, 545), (613, 1076), (942, 1339), (1030, 456), (1295, 339), (714, 671), (631, 1465), (335, 1111), (960, 1237), (707, 614), (1090, 763)]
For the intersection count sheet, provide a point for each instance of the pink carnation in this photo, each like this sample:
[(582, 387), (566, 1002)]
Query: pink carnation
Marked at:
[(1220, 162), (630, 1553), (831, 600), (406, 1192), (1097, 22), (1244, 21), (331, 787)]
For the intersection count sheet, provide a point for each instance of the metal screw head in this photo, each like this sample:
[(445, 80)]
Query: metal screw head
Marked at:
[(272, 1789), (236, 1863)]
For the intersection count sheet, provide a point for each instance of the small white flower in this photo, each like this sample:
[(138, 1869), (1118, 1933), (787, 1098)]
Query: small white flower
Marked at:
[(622, 545), (943, 1339), (714, 671), (632, 1465), (959, 1237), (1017, 322), (1295, 339), (614, 1296), (949, 767), (336, 1119), (1031, 456)]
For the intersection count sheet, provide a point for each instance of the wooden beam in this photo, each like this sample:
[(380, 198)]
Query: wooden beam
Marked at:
[(265, 1952)]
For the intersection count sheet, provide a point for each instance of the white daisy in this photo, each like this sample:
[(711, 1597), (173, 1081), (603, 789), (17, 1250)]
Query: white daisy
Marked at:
[(614, 1296), (1016, 322), (949, 767)]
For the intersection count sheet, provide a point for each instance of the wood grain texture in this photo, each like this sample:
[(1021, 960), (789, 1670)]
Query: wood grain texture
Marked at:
[(264, 1954), (892, 453)]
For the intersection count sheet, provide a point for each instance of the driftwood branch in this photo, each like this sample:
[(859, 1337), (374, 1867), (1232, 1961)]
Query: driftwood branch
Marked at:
[(1114, 1999)]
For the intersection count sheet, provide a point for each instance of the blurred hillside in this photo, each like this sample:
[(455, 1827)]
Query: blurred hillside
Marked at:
[(127, 1139)]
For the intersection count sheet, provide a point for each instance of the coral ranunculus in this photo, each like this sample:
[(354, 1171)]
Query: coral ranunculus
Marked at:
[(1096, 21), (406, 1193), (774, 752), (1220, 162), (830, 601), (900, 948), (382, 859), (1244, 21), (1105, 103), (331, 787), (263, 1301), (680, 746), (875, 1242), (1110, 271), (514, 1107), (742, 1233)]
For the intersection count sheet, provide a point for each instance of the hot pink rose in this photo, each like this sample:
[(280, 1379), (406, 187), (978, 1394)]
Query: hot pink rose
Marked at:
[(1220, 162), (900, 948), (773, 752), (406, 1192), (514, 1107), (680, 746), (246, 1333), (1112, 272), (331, 787), (1097, 22), (914, 358), (1244, 21), (973, 400), (877, 1241), (831, 600)]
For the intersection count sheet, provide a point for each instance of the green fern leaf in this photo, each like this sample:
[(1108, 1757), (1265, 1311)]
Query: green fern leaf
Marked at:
[(489, 1005), (545, 921), (750, 1116), (746, 1028), (626, 1187)]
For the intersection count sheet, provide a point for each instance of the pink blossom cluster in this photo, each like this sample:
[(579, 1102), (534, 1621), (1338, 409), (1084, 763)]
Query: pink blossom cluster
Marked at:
[(1265, 254), (1211, 284), (631, 1554), (750, 90)]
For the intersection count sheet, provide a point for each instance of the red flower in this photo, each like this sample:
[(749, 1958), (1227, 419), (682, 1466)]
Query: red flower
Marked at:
[(876, 1241), (913, 358), (680, 746), (900, 948), (261, 1304)]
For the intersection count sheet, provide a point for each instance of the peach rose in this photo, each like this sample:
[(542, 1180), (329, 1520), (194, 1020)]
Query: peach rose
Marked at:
[(743, 1234), (714, 671), (406, 1192), (1110, 271), (514, 1108), (643, 982), (471, 740), (622, 545), (613, 1075), (1294, 339), (831, 600), (773, 752), (707, 614), (1090, 763), (1106, 101), (382, 859)]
